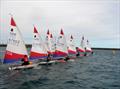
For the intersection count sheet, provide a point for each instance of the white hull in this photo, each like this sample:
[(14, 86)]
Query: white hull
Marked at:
[(45, 63), (19, 67), (71, 60)]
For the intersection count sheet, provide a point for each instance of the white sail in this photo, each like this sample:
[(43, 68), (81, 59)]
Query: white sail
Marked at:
[(81, 48), (15, 42), (61, 46), (38, 49), (71, 46), (15, 47), (47, 41), (52, 43), (88, 48)]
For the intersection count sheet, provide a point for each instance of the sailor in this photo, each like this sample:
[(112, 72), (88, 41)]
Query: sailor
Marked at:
[(67, 58), (92, 52), (78, 53), (25, 60), (85, 53), (49, 57)]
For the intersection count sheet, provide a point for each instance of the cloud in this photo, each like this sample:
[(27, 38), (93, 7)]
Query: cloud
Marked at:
[(97, 20)]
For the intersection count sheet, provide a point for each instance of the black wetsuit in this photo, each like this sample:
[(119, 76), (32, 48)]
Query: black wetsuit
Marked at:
[(49, 58), (25, 62), (85, 54), (67, 58), (78, 54)]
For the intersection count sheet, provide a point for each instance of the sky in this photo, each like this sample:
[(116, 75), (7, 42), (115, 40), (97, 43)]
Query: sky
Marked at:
[(97, 20)]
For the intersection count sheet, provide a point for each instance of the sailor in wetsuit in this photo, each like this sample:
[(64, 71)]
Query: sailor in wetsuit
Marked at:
[(49, 57), (67, 58), (25, 60), (85, 53), (78, 53)]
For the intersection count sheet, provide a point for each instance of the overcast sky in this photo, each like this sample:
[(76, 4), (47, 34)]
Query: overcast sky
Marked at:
[(97, 20)]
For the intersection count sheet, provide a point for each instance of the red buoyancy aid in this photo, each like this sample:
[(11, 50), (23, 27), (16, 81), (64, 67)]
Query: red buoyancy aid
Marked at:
[(25, 59)]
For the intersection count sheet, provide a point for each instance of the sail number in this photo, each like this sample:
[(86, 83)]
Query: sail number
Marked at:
[(13, 42)]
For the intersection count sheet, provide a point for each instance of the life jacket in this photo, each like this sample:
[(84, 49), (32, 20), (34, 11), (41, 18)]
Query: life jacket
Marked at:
[(25, 59)]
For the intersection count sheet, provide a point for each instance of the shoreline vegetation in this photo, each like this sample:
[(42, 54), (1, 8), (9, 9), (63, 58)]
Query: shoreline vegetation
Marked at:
[(94, 48)]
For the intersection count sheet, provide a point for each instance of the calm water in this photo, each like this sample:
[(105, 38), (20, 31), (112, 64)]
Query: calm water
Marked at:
[(98, 71)]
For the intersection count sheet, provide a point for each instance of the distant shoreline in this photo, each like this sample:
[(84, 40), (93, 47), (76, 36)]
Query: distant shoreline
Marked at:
[(29, 45)]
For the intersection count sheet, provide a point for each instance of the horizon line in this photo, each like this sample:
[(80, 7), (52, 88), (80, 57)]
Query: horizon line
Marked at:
[(76, 46)]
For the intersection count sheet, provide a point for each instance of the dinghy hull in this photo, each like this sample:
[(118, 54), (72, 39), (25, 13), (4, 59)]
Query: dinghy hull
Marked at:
[(22, 67)]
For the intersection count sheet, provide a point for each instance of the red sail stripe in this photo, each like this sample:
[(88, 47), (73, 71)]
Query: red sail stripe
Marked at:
[(81, 50), (35, 54), (11, 55), (88, 50), (71, 51), (60, 52)]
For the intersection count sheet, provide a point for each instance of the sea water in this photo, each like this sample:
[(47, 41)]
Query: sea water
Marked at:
[(98, 71)]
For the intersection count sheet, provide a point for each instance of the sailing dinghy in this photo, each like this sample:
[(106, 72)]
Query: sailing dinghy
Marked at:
[(71, 48), (16, 49), (61, 51), (88, 48), (50, 47), (38, 50), (50, 43), (81, 48)]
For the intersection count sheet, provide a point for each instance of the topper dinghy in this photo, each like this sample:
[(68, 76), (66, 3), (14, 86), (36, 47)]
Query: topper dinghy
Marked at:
[(16, 49), (71, 48), (61, 51), (39, 50)]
